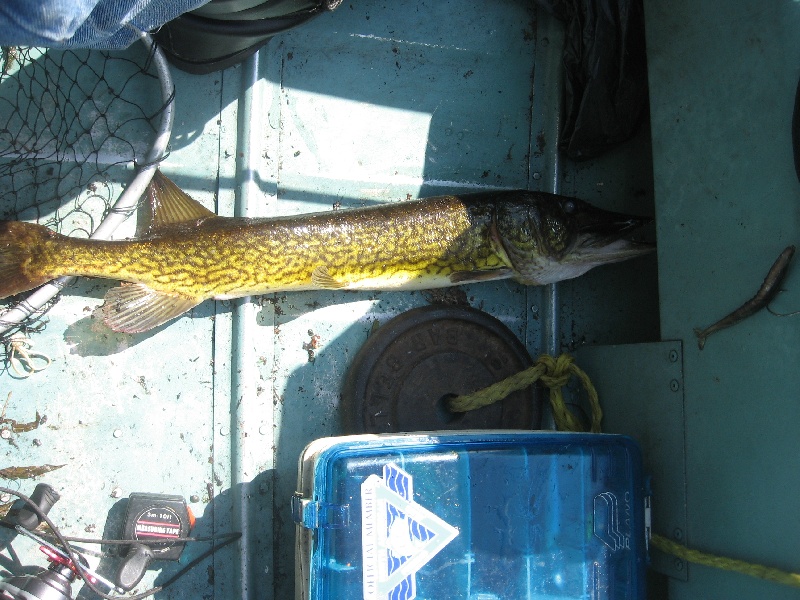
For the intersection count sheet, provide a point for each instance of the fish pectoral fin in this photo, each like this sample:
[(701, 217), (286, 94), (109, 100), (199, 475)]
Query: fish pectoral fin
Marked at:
[(321, 278), (134, 308), (170, 205), (459, 277)]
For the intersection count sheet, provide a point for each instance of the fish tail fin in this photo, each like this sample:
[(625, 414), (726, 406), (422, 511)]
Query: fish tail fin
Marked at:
[(19, 243), (701, 337)]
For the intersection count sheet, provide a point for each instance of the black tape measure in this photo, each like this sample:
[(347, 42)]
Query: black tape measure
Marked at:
[(151, 522), (158, 518)]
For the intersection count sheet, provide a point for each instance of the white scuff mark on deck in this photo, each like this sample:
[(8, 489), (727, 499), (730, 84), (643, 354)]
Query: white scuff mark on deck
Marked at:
[(327, 396), (367, 180), (370, 36), (463, 184)]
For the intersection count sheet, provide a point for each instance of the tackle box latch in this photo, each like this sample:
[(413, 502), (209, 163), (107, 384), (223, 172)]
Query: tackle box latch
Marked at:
[(313, 514)]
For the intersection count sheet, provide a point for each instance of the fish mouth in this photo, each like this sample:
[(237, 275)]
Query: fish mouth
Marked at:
[(610, 252), (602, 236)]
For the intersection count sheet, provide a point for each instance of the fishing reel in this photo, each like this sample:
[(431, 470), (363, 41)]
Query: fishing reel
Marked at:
[(156, 528), (54, 582)]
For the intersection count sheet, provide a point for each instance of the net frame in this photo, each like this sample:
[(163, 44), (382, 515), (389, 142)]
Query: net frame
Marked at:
[(15, 317)]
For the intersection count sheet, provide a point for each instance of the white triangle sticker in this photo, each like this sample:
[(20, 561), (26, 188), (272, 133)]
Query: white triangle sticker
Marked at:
[(399, 536)]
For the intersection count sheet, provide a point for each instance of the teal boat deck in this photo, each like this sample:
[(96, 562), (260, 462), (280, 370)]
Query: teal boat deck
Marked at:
[(722, 85), (378, 101)]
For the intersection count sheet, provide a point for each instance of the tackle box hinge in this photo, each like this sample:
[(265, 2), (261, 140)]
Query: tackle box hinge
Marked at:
[(313, 514)]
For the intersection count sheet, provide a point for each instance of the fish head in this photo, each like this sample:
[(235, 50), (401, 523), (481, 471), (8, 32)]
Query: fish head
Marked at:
[(548, 238)]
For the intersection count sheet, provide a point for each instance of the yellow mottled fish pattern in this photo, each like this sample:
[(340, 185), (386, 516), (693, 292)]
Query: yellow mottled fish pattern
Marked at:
[(415, 244), (189, 254)]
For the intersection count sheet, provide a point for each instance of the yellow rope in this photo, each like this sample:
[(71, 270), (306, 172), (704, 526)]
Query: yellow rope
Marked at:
[(555, 373), (552, 372), (723, 562)]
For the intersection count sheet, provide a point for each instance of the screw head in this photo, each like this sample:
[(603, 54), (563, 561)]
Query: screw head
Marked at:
[(674, 385), (194, 498), (678, 534), (673, 356)]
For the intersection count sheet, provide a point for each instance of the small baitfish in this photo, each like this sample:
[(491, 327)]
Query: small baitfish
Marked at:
[(189, 254), (765, 294)]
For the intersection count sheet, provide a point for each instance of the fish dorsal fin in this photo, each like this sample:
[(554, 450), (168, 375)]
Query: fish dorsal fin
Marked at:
[(134, 307), (170, 205), (321, 278)]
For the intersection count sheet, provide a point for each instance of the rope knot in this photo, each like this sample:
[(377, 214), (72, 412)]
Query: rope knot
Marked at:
[(558, 370), (555, 374)]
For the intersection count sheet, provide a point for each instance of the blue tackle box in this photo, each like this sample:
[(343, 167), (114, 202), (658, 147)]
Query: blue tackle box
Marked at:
[(478, 515)]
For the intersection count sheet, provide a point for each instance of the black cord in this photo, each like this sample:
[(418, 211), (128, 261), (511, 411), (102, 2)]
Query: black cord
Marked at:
[(199, 559), (180, 573), (179, 540), (86, 577)]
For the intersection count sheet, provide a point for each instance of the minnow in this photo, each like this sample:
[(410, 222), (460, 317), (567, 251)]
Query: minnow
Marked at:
[(765, 294), (189, 255)]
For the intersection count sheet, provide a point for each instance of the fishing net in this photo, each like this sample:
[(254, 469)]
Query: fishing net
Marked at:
[(81, 132)]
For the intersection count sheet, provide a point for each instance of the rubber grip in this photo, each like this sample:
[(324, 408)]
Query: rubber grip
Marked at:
[(132, 568)]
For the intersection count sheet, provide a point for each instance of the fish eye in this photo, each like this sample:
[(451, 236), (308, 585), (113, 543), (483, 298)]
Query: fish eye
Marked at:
[(568, 206)]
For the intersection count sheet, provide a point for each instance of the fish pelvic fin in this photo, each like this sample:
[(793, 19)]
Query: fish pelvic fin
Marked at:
[(134, 308), (170, 205), (459, 277), (19, 243), (321, 278)]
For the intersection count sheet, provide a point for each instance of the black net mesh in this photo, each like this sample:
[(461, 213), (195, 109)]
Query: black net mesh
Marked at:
[(73, 125)]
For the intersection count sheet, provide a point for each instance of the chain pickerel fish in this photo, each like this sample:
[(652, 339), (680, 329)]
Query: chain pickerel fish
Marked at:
[(189, 254)]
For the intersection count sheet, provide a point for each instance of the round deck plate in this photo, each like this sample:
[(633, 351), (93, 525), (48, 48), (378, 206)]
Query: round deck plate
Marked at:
[(402, 376)]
